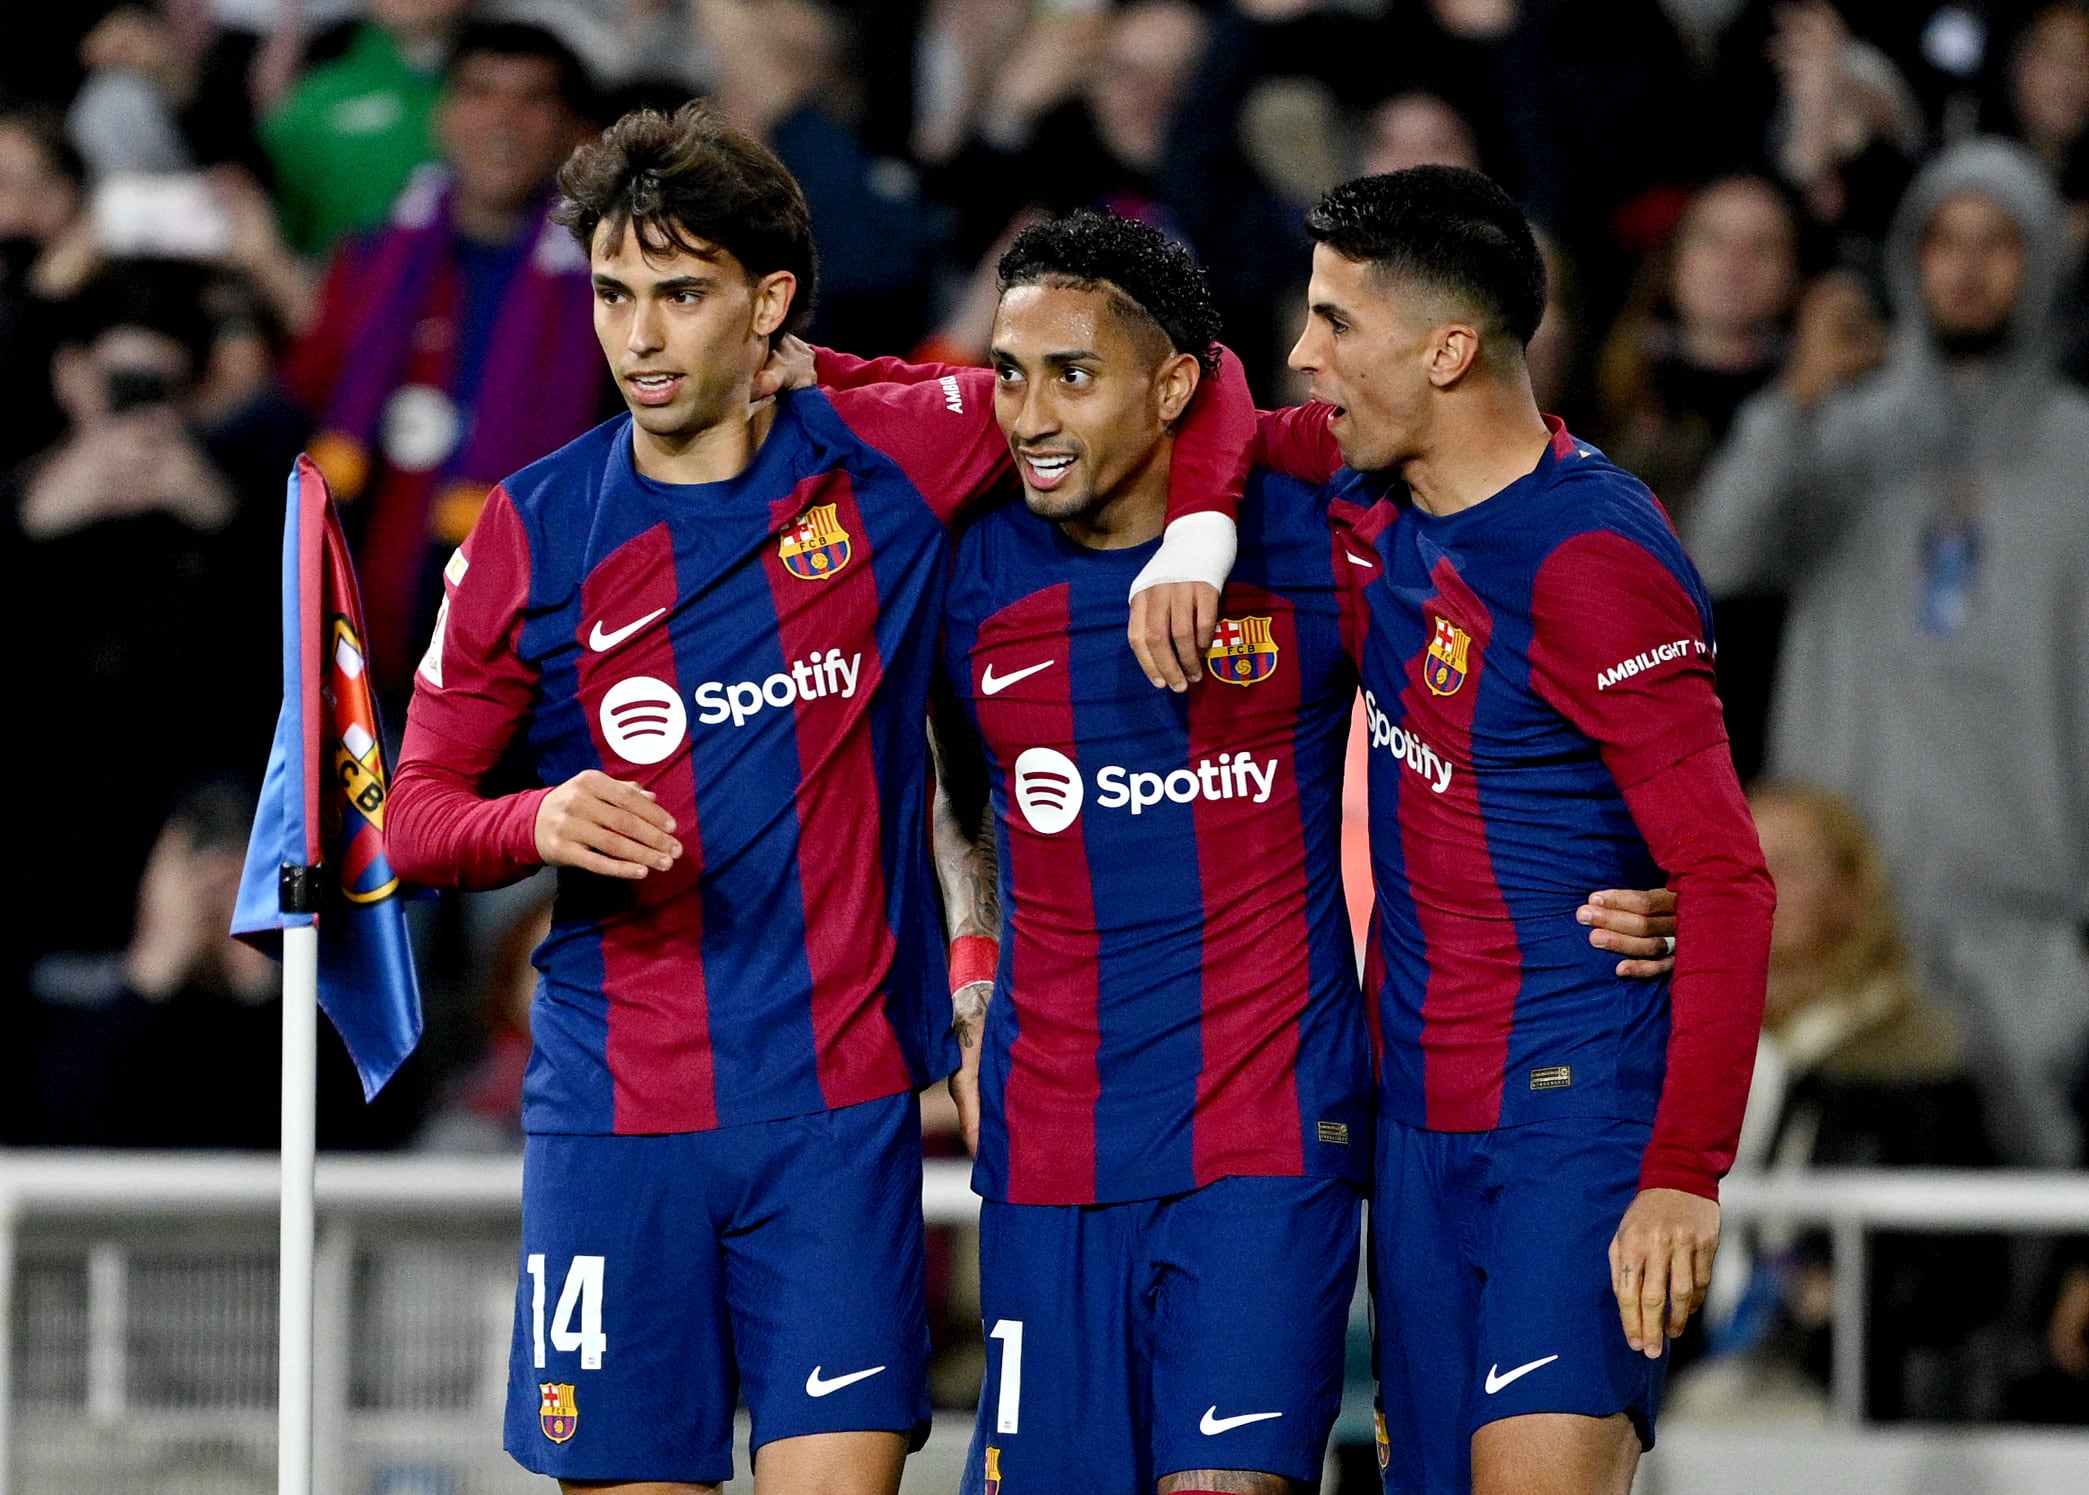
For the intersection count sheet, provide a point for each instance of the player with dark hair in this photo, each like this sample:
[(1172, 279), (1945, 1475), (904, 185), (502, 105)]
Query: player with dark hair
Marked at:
[(1537, 676), (706, 631), (1167, 1073)]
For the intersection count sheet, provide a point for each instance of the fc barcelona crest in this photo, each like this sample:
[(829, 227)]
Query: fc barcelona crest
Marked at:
[(1444, 669), (1242, 651), (993, 1470), (558, 1414), (815, 546), (364, 875)]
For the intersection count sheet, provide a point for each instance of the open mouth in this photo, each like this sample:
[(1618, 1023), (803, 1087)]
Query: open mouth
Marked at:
[(654, 388), (1045, 473)]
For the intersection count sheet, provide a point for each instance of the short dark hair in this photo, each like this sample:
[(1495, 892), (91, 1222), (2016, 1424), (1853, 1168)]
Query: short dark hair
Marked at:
[(688, 176), (522, 39), (1154, 278), (1448, 227)]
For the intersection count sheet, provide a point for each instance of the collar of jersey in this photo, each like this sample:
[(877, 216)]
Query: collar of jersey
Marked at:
[(1503, 501), (756, 486)]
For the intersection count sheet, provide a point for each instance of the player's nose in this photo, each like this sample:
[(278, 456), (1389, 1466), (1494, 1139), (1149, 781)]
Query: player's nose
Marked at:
[(1303, 357)]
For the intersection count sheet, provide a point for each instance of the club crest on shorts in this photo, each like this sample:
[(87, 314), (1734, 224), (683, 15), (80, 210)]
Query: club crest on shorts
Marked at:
[(1443, 671), (993, 1470), (815, 547), (1242, 651), (1385, 1444), (557, 1413)]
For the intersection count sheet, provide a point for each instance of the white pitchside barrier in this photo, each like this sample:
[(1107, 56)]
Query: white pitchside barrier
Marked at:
[(140, 1297)]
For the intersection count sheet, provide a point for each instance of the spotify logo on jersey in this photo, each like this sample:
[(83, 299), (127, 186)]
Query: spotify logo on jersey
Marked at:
[(643, 719), (1048, 787)]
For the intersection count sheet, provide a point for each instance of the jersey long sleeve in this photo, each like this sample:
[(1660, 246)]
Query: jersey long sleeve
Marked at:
[(1296, 442), (1619, 649), (1208, 470), (441, 831)]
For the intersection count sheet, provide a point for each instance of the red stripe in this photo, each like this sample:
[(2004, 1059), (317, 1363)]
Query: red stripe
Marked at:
[(1054, 965), (659, 1048), (1475, 964), (1257, 968), (841, 873)]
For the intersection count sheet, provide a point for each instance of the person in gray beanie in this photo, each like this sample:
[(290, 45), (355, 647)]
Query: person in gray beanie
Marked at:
[(1930, 527)]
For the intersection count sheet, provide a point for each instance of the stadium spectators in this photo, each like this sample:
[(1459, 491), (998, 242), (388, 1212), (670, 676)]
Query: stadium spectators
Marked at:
[(456, 344), (1703, 329), (1857, 1068), (42, 208), (356, 125), (1929, 530)]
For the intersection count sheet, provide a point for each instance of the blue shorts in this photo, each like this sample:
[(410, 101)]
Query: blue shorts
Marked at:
[(663, 1275), (1490, 1279), (1131, 1341)]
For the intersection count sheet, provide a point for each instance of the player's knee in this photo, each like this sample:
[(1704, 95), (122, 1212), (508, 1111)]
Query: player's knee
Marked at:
[(640, 1487)]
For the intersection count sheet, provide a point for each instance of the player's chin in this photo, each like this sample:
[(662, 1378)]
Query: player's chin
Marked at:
[(1059, 505)]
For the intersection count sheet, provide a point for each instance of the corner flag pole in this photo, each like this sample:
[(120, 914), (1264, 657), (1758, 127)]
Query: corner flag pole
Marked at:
[(299, 895)]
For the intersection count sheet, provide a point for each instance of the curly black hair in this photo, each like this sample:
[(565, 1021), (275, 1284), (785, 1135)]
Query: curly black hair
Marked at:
[(1154, 279), (1448, 227)]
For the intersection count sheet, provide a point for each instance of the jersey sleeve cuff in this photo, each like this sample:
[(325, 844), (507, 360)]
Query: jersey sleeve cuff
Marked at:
[(1686, 1175), (1196, 547)]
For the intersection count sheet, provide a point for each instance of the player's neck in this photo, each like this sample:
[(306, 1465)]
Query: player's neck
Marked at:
[(709, 454), (1485, 439), (1135, 512)]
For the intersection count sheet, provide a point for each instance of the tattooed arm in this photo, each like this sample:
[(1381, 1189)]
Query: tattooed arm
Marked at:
[(967, 873)]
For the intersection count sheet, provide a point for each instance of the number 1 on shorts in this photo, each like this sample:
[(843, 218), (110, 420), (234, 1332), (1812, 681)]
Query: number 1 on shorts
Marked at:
[(1010, 1333)]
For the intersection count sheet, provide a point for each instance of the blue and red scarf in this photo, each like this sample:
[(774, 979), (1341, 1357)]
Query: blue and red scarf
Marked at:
[(398, 439)]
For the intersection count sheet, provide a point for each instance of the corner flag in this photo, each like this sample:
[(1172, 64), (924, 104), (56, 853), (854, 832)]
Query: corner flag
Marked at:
[(322, 805)]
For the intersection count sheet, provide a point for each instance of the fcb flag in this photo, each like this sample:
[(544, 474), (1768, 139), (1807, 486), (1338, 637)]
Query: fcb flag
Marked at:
[(322, 805)]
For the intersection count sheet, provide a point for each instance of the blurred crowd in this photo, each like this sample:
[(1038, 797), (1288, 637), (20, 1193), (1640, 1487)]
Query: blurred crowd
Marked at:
[(1816, 275)]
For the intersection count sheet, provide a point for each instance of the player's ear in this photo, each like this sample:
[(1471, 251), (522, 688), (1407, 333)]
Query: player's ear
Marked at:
[(1175, 384), (773, 294), (1451, 352)]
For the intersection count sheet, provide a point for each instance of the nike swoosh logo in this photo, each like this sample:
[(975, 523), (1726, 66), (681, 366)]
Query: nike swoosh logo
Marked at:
[(814, 1386), (598, 640), (1213, 1424), (991, 685), (1357, 560), (1495, 1382)]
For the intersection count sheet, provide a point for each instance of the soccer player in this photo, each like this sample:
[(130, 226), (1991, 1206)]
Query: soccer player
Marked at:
[(704, 631), (1171, 1112), (1537, 673)]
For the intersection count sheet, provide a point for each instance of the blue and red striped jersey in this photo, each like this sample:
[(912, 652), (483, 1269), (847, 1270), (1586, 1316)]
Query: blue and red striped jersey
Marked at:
[(1538, 686), (757, 653), (1176, 999)]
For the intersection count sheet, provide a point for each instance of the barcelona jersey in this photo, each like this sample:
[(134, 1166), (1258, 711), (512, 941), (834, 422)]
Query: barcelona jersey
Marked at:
[(756, 653), (1176, 999), (1538, 688)]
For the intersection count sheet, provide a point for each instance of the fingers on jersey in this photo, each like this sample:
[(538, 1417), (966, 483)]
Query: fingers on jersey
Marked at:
[(601, 824), (1636, 923), (1661, 1264), (1171, 627)]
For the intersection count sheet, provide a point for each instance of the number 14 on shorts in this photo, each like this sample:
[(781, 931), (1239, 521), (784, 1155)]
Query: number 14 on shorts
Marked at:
[(583, 1291)]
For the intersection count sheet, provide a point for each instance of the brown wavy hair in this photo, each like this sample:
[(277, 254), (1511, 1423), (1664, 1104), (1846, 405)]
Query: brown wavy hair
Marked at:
[(692, 181)]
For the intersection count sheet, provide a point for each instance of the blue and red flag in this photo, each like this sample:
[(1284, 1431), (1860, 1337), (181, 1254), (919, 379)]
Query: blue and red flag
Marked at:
[(322, 805)]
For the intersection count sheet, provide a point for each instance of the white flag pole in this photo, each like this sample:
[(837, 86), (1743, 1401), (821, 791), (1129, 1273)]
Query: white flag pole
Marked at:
[(300, 1141)]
